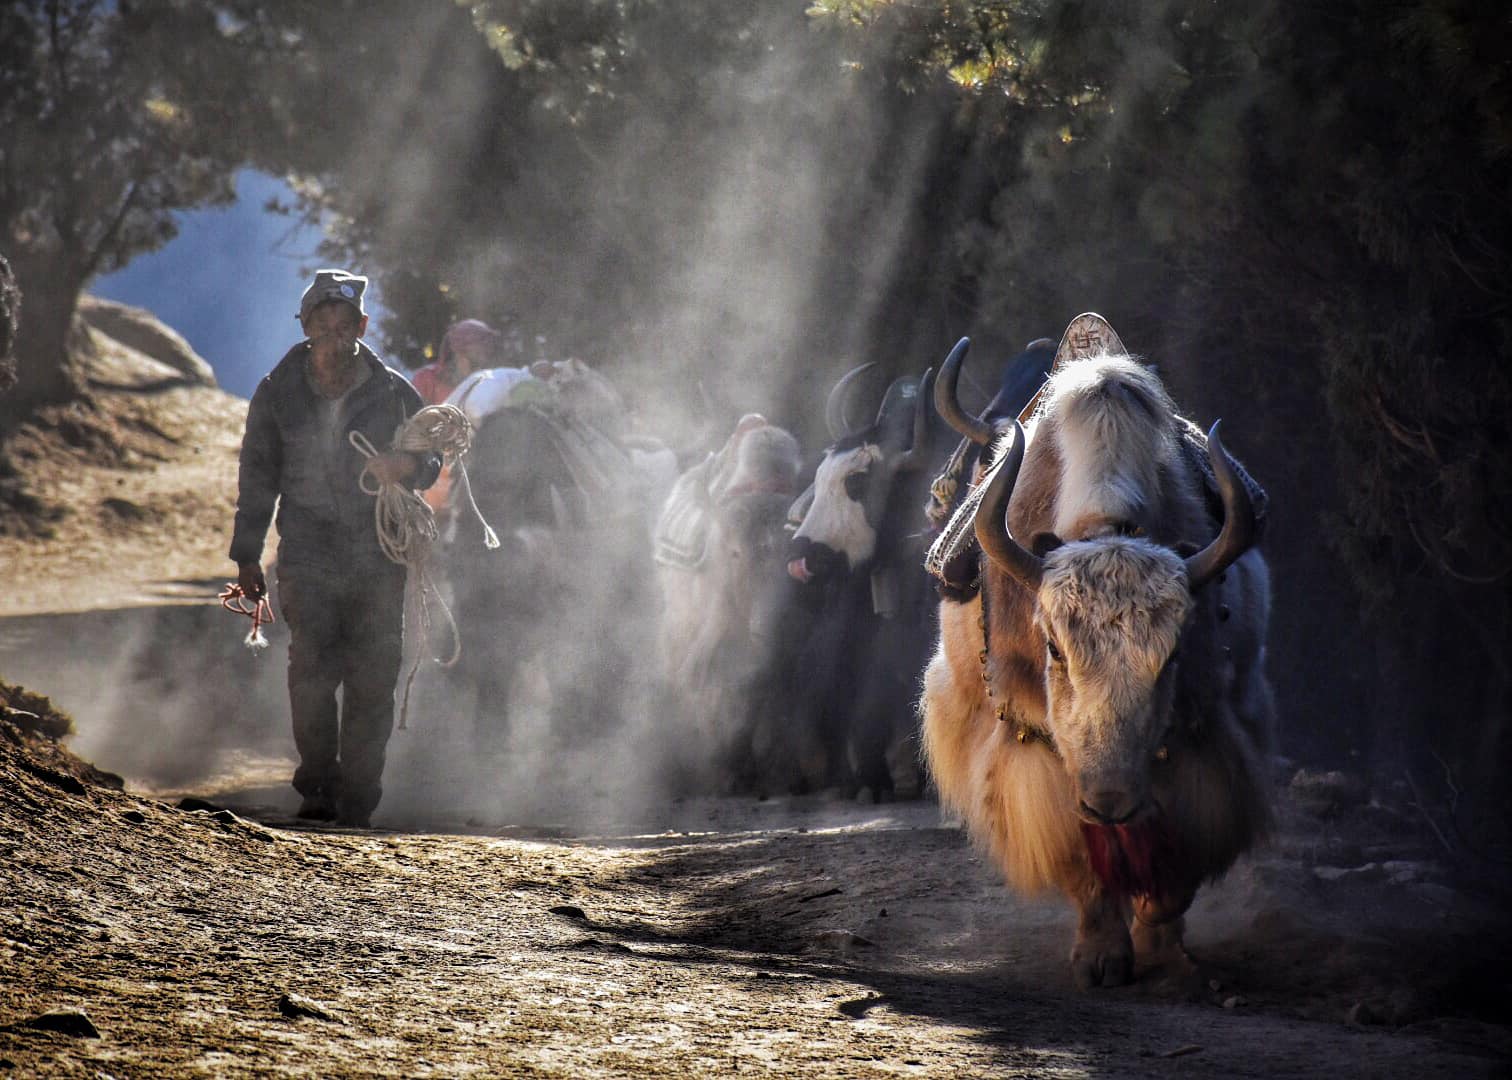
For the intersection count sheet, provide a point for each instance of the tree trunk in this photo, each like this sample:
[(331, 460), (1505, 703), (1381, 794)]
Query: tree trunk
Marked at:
[(44, 371)]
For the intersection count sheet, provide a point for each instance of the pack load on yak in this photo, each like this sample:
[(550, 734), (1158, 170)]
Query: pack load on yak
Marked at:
[(573, 494)]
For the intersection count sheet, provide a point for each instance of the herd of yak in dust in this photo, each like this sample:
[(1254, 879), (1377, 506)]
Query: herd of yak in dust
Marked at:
[(1094, 704)]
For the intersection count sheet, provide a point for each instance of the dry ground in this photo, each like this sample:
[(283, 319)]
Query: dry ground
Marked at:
[(790, 937)]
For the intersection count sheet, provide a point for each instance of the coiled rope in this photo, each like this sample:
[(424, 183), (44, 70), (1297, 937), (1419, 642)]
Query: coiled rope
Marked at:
[(233, 599), (406, 525)]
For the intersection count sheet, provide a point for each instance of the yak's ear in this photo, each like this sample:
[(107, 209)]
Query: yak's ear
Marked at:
[(1044, 543)]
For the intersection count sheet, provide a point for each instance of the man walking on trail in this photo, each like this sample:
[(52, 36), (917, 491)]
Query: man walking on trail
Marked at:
[(342, 599)]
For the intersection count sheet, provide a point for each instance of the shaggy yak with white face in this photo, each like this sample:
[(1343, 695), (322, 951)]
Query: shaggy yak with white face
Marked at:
[(1097, 713)]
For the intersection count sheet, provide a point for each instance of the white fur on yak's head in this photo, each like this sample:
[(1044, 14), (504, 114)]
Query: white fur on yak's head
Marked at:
[(1110, 607), (1111, 612), (839, 518), (834, 518)]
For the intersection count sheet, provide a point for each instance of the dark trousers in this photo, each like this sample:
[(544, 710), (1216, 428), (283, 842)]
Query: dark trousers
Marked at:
[(346, 630)]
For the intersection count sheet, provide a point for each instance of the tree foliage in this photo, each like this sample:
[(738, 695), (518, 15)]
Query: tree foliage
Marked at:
[(1301, 210), (104, 131)]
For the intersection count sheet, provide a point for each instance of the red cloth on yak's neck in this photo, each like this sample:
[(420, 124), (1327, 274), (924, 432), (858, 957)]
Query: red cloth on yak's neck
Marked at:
[(1131, 860)]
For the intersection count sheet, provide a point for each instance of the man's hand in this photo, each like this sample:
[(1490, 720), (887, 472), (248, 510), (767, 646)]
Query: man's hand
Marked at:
[(392, 468), (249, 575)]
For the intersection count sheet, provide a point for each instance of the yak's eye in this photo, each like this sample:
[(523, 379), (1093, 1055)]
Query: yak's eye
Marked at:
[(1054, 651), (855, 485)]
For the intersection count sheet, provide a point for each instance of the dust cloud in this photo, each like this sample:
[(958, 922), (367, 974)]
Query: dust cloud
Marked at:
[(780, 214)]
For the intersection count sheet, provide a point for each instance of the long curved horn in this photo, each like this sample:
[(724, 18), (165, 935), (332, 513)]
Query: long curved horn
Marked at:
[(1238, 533), (836, 406), (948, 405), (799, 508), (991, 521), (913, 457)]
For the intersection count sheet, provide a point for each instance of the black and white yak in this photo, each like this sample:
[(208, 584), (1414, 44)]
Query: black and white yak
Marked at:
[(857, 553)]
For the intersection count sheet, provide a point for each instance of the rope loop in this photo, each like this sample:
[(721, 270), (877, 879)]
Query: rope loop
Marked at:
[(234, 600)]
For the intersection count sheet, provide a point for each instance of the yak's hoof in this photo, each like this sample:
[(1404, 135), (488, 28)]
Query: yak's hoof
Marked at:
[(1160, 911), (1105, 961), (1159, 948)]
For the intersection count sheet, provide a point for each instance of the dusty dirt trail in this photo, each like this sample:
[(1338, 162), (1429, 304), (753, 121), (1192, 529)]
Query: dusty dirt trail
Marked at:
[(592, 935), (797, 937)]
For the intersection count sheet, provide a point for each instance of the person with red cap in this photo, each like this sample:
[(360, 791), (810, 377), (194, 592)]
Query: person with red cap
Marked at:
[(470, 345)]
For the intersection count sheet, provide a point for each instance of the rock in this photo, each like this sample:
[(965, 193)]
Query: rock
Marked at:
[(136, 817), (225, 817), (1234, 1001), (840, 941), (819, 895), (137, 328), (1183, 1051), (65, 1022), (569, 911), (71, 784), (51, 726), (1361, 1014), (192, 804), (296, 1006), (596, 945)]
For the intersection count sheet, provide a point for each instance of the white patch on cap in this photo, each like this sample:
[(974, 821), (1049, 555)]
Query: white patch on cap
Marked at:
[(346, 291)]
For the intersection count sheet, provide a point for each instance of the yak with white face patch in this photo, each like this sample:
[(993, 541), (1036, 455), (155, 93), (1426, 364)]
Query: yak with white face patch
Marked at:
[(1098, 712), (854, 561), (837, 516)]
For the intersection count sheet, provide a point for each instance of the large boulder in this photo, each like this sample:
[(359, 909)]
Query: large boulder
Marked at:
[(139, 329)]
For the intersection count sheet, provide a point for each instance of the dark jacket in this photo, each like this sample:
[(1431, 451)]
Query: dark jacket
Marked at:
[(295, 452)]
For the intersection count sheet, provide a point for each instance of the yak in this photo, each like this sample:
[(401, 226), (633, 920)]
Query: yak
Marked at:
[(854, 556), (859, 534), (1098, 712), (719, 546), (555, 611)]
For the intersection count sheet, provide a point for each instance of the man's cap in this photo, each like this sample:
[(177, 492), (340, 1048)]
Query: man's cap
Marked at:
[(333, 285)]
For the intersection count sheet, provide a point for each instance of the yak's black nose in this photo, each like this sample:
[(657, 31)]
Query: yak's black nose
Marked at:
[(1110, 807)]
